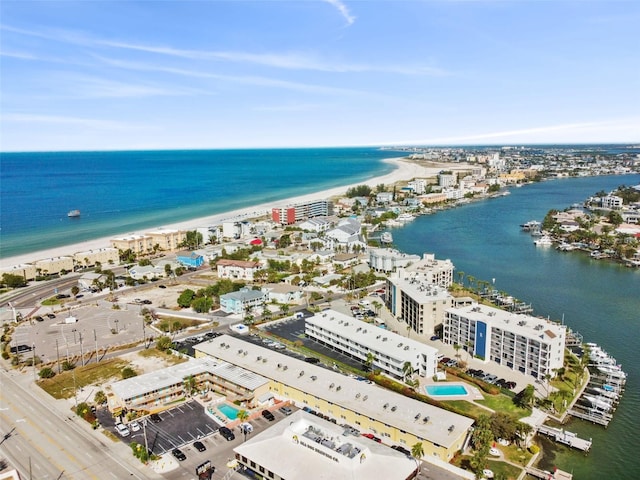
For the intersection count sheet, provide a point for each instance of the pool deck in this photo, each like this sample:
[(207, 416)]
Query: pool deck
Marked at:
[(474, 392)]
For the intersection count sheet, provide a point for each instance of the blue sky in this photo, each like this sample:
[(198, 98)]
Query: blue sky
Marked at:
[(106, 75)]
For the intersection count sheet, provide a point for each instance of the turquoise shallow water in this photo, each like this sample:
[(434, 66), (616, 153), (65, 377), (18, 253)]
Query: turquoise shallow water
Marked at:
[(122, 192), (601, 300)]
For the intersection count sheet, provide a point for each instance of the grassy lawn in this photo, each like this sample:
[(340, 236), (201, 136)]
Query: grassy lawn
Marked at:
[(62, 385), (468, 409), (503, 403), (515, 454), (155, 353), (499, 469)]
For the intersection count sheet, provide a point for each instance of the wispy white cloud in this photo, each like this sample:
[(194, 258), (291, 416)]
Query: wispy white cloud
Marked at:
[(343, 10), (286, 61), (596, 131), (237, 79), (92, 87), (61, 120), (297, 107)]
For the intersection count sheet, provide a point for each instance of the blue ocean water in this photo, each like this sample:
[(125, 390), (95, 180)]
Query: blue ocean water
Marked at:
[(121, 192), (599, 299)]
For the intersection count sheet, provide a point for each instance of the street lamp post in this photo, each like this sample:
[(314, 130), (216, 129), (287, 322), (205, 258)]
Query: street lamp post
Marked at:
[(33, 361), (144, 431)]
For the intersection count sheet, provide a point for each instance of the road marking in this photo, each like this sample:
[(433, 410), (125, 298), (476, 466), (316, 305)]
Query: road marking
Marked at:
[(20, 420)]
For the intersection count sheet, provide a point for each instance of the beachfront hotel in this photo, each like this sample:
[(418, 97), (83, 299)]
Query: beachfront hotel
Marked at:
[(394, 418), (389, 259), (316, 449), (301, 211), (530, 345), (354, 338), (167, 240)]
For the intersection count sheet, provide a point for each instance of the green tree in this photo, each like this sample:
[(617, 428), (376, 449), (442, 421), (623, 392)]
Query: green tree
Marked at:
[(526, 397), (202, 304), (407, 370), (164, 343), (190, 385), (100, 398), (481, 439), (46, 372), (11, 280), (185, 298), (417, 452), (128, 372)]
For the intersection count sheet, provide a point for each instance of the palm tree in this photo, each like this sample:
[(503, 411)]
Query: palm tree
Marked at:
[(469, 345), (189, 385), (457, 347), (369, 361), (461, 277), (407, 370), (417, 452)]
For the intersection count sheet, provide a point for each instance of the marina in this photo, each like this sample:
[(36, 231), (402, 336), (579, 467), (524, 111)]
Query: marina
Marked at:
[(565, 437)]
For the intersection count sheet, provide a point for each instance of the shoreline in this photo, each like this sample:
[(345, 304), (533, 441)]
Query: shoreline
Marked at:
[(405, 170)]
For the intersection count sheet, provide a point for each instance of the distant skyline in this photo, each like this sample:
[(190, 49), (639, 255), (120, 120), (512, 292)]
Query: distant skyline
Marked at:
[(119, 75)]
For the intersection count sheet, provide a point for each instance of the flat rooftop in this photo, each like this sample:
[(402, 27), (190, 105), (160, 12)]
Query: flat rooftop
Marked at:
[(316, 449), (425, 421)]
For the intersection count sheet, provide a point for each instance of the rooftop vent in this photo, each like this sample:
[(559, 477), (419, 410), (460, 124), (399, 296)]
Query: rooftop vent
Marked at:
[(240, 352), (406, 347), (400, 344), (301, 373), (394, 408), (227, 346), (258, 358), (264, 360), (222, 345), (285, 367), (425, 419), (385, 406), (279, 365), (364, 399), (314, 378), (451, 428), (357, 395), (338, 388), (417, 416), (332, 385)]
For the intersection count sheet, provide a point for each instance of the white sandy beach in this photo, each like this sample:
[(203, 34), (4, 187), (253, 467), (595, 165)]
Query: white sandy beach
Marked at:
[(405, 170)]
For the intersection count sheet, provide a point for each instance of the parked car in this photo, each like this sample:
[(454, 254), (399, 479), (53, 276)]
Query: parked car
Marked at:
[(39, 319), (268, 415), (286, 410), (134, 426), (155, 418), (372, 437), (435, 337), (226, 433), (199, 446), (401, 449), (176, 452), (490, 378), (444, 360), (51, 315), (122, 430)]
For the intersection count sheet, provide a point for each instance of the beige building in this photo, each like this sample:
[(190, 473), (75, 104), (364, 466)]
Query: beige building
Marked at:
[(154, 391), (104, 256), (25, 270), (237, 269), (138, 244), (166, 240), (55, 265), (394, 418)]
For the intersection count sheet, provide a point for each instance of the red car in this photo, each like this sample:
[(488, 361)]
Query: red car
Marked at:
[(372, 437)]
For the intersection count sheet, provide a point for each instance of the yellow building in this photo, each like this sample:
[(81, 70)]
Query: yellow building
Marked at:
[(394, 418), (104, 256), (138, 244), (55, 265)]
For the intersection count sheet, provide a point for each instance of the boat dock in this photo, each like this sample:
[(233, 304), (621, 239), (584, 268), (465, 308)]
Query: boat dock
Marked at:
[(556, 475), (567, 438), (593, 417)]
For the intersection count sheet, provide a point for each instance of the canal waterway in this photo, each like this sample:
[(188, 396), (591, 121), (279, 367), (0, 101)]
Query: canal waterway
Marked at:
[(599, 299)]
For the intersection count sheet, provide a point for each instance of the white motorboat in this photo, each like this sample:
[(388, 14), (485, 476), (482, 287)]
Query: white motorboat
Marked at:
[(543, 241)]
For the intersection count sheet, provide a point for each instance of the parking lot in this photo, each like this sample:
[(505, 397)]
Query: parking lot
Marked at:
[(179, 428)]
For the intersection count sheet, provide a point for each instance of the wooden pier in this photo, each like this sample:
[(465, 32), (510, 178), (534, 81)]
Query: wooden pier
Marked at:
[(600, 418), (556, 475), (567, 438)]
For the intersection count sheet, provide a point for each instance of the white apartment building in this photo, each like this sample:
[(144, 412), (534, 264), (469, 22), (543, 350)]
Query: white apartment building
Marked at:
[(236, 269), (438, 272), (612, 202), (357, 339), (389, 259), (447, 179), (419, 186), (530, 345), (413, 297)]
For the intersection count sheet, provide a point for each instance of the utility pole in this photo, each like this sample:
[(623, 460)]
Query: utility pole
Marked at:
[(144, 430), (81, 352), (95, 339), (75, 390), (33, 360), (58, 355)]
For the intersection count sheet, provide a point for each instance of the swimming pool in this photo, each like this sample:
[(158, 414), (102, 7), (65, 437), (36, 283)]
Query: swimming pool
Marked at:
[(230, 412), (446, 390)]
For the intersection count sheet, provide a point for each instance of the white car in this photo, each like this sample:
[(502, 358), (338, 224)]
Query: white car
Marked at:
[(123, 430), (134, 426), (246, 427)]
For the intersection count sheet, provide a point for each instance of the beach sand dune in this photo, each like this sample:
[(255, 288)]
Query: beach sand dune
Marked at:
[(405, 170)]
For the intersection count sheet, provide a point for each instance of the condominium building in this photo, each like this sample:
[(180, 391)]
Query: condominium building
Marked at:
[(389, 259), (438, 272), (531, 345), (301, 211), (243, 300), (316, 449), (394, 418), (415, 298), (388, 351)]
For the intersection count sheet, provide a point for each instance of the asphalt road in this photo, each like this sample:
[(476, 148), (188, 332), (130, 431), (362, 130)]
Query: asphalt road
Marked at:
[(41, 443)]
